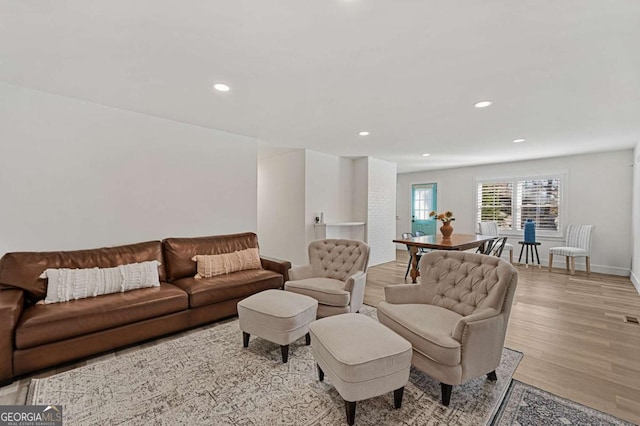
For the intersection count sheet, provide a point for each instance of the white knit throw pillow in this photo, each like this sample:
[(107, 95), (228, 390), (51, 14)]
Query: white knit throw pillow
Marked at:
[(65, 284)]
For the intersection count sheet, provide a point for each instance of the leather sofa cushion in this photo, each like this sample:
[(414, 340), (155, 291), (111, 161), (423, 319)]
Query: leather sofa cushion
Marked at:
[(429, 328), (179, 251), (23, 269), (40, 324), (207, 291)]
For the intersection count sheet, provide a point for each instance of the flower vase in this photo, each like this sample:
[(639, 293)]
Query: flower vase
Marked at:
[(446, 230)]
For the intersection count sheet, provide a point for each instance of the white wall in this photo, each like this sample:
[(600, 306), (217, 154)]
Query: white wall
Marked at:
[(599, 192), (293, 188), (329, 185), (76, 175), (361, 191), (381, 216), (635, 271), (281, 206)]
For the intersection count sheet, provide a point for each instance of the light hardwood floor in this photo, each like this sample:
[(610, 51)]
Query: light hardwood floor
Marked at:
[(572, 332)]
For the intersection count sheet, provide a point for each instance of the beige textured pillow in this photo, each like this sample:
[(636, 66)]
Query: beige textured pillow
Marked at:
[(212, 265)]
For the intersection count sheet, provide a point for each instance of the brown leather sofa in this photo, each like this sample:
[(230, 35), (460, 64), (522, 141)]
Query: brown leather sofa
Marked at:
[(36, 336)]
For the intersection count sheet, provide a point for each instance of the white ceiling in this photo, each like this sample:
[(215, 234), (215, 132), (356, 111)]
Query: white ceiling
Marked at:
[(564, 74)]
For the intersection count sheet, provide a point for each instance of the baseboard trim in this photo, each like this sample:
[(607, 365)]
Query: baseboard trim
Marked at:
[(580, 266), (610, 270)]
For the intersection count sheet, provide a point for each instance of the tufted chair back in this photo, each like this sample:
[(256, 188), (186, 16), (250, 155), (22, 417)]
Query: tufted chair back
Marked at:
[(338, 259), (465, 282)]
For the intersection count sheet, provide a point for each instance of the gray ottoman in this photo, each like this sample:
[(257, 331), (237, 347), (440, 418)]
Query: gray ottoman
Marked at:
[(278, 316), (361, 357)]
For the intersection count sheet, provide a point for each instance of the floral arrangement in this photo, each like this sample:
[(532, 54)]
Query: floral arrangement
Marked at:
[(445, 217)]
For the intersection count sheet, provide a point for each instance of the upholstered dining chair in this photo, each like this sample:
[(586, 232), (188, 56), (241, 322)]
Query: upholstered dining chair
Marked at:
[(456, 318), (490, 228), (335, 276), (578, 244)]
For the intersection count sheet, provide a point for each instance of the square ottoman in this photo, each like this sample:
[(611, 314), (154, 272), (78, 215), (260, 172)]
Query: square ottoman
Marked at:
[(278, 316), (361, 357)]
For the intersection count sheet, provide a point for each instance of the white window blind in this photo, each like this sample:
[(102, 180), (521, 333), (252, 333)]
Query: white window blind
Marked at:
[(538, 200), (495, 200), (510, 202)]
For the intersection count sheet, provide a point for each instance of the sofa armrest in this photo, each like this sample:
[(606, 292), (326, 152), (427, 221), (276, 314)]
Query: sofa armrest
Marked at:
[(276, 265), (355, 285), (404, 294), (300, 273), (11, 304)]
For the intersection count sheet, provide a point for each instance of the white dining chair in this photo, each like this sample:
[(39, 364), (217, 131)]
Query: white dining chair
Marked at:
[(578, 244)]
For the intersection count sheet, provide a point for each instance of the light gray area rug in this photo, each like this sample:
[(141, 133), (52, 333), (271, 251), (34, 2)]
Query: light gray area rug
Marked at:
[(528, 405), (208, 378)]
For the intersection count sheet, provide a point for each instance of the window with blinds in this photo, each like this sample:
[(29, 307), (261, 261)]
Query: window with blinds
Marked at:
[(510, 202), (539, 200), (495, 201)]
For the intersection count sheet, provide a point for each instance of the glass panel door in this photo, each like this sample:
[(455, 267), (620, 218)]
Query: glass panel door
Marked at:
[(423, 202)]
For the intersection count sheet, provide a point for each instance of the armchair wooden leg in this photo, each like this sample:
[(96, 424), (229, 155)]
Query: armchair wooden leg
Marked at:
[(350, 407), (568, 261), (320, 373), (510, 256), (446, 393), (588, 265), (307, 339), (573, 266), (492, 376), (550, 261), (397, 397), (284, 349), (245, 339)]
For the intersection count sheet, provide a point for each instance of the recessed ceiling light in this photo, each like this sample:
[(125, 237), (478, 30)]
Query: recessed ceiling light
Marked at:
[(363, 133), (221, 87), (482, 104), (426, 155), (518, 140)]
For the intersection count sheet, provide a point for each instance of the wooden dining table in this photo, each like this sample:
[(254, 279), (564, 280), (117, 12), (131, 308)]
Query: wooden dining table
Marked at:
[(438, 242)]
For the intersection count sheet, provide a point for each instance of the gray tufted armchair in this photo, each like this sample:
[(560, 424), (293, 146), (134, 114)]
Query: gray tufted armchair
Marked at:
[(335, 276), (456, 318)]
